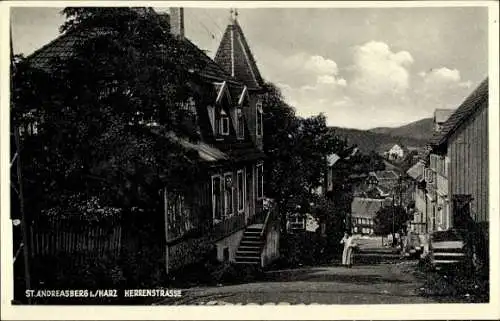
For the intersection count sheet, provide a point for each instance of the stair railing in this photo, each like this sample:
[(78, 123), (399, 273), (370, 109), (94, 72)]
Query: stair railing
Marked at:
[(270, 216)]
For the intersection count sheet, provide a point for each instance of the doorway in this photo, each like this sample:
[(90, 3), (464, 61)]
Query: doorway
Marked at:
[(462, 218)]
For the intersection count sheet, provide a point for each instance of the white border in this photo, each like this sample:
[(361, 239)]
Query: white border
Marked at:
[(300, 312)]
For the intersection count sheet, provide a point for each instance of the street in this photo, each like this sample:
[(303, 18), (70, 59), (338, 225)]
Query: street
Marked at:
[(377, 277)]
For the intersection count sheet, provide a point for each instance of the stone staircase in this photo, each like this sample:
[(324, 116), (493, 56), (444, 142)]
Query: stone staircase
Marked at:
[(251, 245), (376, 256)]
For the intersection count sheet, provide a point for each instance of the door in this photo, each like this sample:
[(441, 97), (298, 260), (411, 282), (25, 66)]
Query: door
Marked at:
[(462, 218)]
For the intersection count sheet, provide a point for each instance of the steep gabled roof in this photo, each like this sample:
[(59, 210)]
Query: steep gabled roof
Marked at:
[(64, 45), (477, 100), (366, 207), (235, 57), (61, 47)]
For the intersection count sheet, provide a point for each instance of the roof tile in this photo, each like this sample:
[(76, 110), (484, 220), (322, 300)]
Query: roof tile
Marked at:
[(235, 57), (366, 207)]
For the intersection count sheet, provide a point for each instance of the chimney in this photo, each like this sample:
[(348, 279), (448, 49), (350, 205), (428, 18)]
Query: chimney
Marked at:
[(177, 22)]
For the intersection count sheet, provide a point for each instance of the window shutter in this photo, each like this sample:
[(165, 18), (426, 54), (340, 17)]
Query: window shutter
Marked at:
[(211, 116)]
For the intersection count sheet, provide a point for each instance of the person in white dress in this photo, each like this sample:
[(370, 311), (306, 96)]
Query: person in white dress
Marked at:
[(349, 244)]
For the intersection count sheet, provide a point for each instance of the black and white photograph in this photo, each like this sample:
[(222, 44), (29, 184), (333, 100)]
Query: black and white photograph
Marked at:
[(237, 155)]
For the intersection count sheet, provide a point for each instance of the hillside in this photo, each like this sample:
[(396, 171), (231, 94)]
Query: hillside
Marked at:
[(368, 141), (421, 129)]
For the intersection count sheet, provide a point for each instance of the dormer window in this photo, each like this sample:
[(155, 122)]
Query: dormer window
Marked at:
[(224, 123), (260, 117), (187, 115), (240, 123)]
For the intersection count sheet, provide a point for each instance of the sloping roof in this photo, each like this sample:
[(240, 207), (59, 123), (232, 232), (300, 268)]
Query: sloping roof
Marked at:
[(441, 115), (385, 175), (63, 47), (383, 191), (332, 159), (366, 207), (478, 99), (206, 152), (235, 57), (416, 170)]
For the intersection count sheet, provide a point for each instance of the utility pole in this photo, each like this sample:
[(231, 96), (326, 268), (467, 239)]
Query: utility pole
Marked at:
[(24, 223), (393, 214)]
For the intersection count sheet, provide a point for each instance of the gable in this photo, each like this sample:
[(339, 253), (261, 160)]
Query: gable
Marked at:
[(235, 57), (474, 102)]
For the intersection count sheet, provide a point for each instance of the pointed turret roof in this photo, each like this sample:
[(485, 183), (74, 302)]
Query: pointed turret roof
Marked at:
[(235, 57)]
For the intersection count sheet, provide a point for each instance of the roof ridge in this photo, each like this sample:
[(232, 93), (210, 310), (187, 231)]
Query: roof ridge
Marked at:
[(467, 108), (250, 57)]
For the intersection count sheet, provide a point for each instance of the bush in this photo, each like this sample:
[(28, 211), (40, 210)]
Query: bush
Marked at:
[(425, 264)]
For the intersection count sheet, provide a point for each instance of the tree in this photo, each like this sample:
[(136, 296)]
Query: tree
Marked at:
[(91, 141), (296, 148), (389, 220)]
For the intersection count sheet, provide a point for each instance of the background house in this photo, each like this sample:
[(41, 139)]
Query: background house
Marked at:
[(387, 179), (396, 152), (363, 211), (418, 223)]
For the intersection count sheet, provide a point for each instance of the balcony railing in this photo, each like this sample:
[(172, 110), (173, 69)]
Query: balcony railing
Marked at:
[(227, 226)]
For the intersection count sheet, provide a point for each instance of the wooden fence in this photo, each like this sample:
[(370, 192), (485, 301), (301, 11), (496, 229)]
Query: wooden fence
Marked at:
[(77, 238)]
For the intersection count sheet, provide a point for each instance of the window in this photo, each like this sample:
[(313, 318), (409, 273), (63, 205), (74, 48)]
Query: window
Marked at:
[(211, 116), (240, 123), (179, 219), (228, 194), (188, 109), (259, 118), (240, 178), (224, 123), (216, 198), (260, 181)]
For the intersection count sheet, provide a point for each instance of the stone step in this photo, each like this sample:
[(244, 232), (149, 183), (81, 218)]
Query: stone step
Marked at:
[(251, 243), (247, 258), (252, 233), (247, 262), (249, 248), (251, 238), (247, 253), (253, 229)]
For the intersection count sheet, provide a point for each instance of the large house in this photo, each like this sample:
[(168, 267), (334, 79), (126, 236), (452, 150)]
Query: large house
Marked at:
[(453, 175), (225, 210), (458, 163)]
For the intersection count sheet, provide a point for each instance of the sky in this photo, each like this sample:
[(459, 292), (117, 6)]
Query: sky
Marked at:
[(361, 67)]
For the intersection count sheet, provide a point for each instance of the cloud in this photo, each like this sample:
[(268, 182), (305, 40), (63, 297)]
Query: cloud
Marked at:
[(379, 71), (442, 79), (441, 75), (376, 88), (321, 66)]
